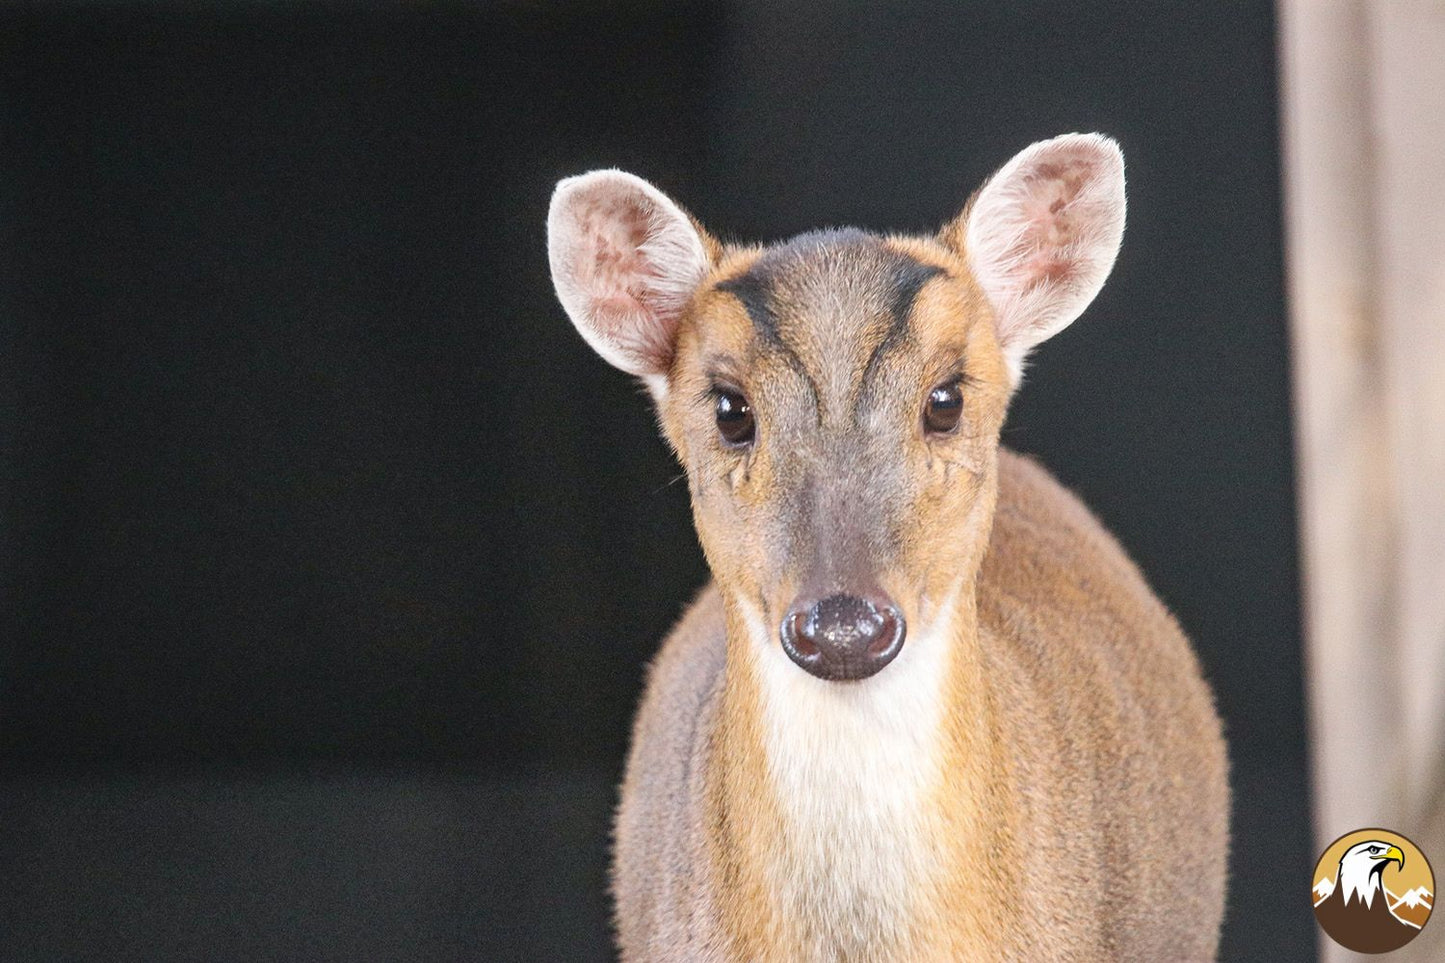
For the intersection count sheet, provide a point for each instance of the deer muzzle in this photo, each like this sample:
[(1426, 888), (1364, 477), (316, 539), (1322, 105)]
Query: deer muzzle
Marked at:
[(843, 637)]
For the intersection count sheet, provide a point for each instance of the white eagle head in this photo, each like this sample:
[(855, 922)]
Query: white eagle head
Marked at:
[(1361, 866)]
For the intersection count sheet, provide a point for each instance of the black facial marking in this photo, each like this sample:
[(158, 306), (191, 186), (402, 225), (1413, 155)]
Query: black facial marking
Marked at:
[(789, 267), (909, 277), (901, 275), (757, 287), (755, 290)]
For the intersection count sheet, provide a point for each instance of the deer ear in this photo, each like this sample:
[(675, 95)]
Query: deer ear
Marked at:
[(1042, 235), (625, 261)]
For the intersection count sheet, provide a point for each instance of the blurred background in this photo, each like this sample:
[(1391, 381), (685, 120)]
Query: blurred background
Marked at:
[(332, 557)]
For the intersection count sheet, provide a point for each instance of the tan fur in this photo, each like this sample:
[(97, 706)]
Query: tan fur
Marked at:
[(1039, 774), (1080, 807), (1104, 772)]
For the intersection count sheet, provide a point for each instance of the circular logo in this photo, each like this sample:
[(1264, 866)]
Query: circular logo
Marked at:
[(1373, 891)]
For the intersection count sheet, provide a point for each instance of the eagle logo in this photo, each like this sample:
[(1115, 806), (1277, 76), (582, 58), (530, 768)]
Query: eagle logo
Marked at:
[(1374, 891)]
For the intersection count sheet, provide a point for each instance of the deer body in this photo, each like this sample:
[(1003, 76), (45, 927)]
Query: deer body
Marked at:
[(929, 710), (1105, 790)]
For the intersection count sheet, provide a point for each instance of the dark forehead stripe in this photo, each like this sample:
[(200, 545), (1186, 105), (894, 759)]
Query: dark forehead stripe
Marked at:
[(755, 291), (757, 287), (811, 256), (754, 288), (908, 278)]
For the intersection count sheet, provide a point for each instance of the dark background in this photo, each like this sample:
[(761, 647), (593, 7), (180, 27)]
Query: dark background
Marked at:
[(331, 555)]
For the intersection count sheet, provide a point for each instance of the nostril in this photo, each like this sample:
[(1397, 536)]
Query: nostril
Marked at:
[(889, 625), (799, 635), (843, 636)]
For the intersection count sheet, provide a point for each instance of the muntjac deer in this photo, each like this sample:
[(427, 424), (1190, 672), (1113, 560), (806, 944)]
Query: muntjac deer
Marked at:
[(928, 710)]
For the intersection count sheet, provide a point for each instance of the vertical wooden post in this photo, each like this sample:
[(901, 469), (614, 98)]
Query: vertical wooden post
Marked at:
[(1363, 83)]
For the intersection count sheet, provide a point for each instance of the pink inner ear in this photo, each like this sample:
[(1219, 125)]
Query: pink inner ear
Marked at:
[(1050, 224), (1042, 236), (626, 262), (617, 274)]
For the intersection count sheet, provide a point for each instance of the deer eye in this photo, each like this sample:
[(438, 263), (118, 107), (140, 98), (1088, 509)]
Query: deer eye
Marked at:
[(943, 408), (734, 418)]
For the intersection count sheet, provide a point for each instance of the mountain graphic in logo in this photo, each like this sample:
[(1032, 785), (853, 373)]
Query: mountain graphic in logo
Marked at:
[(1414, 907), (1352, 900)]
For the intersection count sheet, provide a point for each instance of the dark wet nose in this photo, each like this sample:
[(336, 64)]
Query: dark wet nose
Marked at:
[(843, 636)]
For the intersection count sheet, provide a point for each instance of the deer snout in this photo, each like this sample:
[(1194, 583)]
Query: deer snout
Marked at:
[(843, 637)]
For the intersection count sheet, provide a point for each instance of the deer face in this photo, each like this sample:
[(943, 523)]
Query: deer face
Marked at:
[(836, 399)]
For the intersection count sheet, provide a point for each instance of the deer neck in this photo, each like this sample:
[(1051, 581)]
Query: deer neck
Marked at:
[(858, 820)]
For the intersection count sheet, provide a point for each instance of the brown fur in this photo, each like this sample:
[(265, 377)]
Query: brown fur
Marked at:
[(1105, 766), (1040, 774)]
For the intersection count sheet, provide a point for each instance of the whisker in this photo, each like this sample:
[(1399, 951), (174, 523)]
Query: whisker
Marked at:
[(669, 483)]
